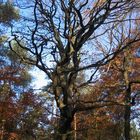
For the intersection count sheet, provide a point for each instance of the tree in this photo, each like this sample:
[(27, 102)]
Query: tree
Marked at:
[(23, 113), (124, 84), (8, 13), (14, 79), (65, 38), (123, 87), (33, 117), (101, 123)]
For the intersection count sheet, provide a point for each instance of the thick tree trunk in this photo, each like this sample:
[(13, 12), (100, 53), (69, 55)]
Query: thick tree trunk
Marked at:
[(63, 89), (65, 125), (65, 129)]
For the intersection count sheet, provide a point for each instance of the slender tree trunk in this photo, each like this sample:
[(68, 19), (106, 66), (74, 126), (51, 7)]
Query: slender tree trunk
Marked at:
[(127, 123), (127, 114), (75, 127), (127, 97)]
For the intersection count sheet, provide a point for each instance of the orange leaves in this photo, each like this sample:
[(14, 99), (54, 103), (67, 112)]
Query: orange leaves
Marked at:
[(13, 136), (11, 74), (27, 98), (113, 86), (21, 114)]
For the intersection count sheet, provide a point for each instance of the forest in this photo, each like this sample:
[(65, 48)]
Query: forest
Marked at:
[(89, 51)]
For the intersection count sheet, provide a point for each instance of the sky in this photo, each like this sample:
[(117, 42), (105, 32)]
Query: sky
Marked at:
[(38, 78)]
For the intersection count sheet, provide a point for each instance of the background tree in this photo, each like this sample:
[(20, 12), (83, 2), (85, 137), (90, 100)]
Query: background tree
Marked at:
[(24, 115), (8, 13), (97, 123), (124, 71), (14, 77), (19, 105)]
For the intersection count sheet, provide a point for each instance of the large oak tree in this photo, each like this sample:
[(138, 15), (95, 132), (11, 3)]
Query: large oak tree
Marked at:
[(65, 38)]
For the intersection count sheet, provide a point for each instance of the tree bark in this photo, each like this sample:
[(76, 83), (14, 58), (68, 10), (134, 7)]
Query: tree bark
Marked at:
[(127, 97), (127, 123), (65, 124)]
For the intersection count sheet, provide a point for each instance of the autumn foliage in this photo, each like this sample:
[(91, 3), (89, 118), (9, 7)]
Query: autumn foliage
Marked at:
[(108, 122), (89, 52)]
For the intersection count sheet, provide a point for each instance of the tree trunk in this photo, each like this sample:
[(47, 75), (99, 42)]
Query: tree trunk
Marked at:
[(127, 97), (127, 123), (127, 114), (65, 129), (65, 125)]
